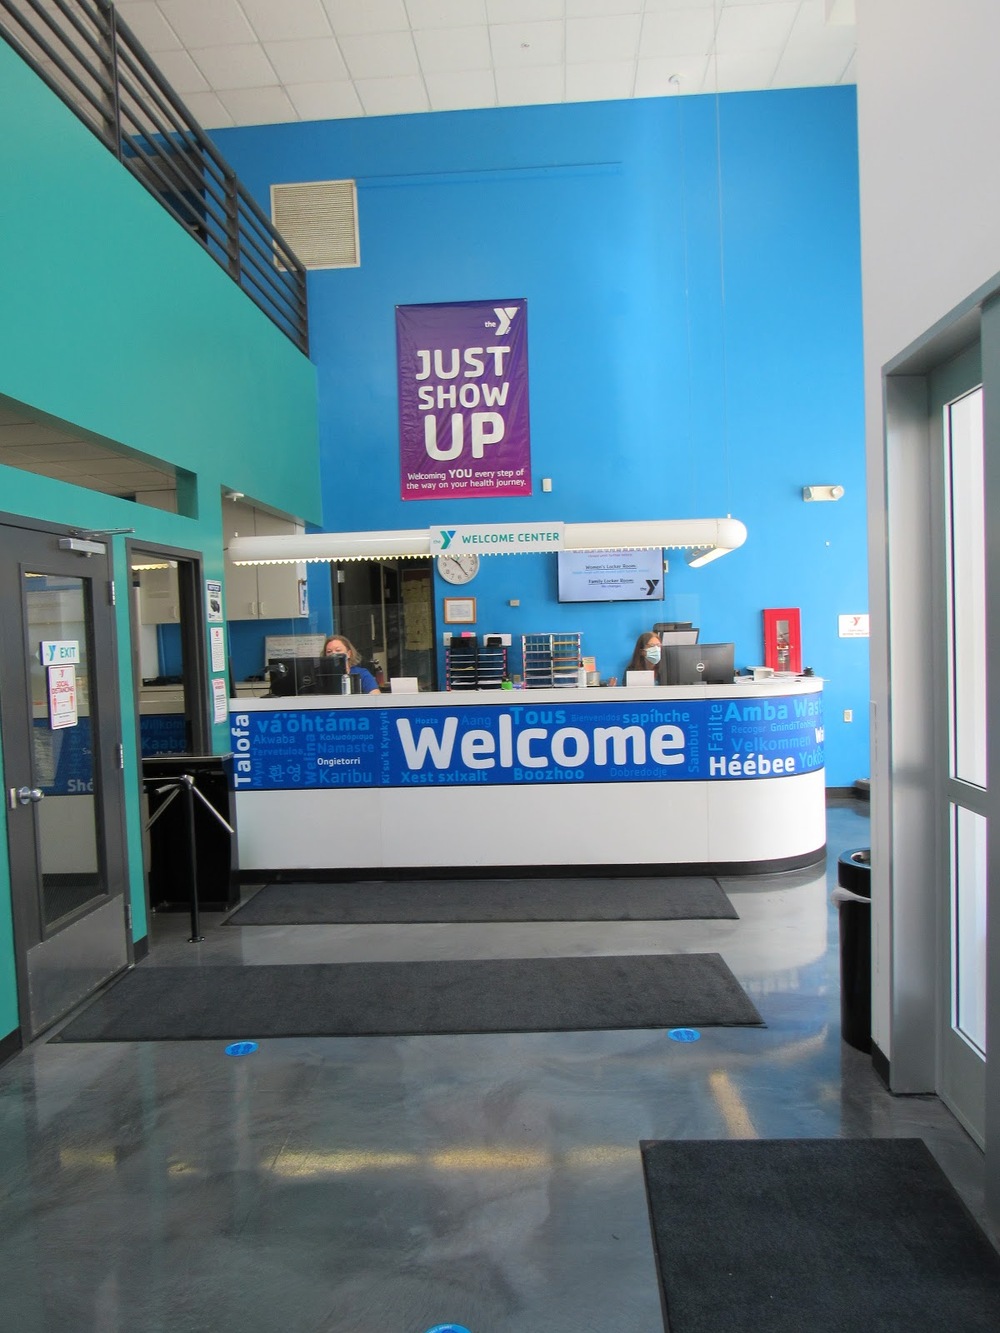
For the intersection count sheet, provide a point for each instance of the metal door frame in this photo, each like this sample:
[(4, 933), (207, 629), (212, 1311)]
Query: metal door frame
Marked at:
[(28, 923)]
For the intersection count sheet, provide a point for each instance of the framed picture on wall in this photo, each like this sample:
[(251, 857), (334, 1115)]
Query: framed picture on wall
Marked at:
[(459, 610)]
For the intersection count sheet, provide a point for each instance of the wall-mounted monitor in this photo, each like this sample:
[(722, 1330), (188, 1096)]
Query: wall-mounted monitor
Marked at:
[(610, 576), (697, 663)]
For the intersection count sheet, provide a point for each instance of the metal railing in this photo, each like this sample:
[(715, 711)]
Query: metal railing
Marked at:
[(88, 55)]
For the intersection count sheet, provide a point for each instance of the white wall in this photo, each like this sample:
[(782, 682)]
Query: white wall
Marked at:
[(928, 113)]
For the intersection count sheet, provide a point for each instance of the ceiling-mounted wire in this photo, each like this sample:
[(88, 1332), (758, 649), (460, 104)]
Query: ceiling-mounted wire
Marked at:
[(723, 348)]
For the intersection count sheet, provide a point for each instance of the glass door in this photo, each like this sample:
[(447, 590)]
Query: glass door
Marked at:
[(62, 769), (962, 770)]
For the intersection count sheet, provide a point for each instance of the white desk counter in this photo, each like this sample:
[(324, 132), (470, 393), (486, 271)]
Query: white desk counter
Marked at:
[(708, 778)]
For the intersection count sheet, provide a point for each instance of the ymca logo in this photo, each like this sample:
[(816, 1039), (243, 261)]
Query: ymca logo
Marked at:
[(505, 314), (446, 536)]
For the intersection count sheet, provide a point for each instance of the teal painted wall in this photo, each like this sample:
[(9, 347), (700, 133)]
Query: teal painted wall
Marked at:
[(116, 321)]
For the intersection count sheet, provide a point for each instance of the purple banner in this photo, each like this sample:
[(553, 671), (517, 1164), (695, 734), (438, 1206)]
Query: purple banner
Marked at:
[(463, 400)]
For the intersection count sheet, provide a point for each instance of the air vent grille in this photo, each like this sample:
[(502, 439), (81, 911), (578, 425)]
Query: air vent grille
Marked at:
[(319, 220)]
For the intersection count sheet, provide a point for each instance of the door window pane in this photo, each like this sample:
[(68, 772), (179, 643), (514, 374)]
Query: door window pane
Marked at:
[(967, 588), (62, 755), (968, 887)]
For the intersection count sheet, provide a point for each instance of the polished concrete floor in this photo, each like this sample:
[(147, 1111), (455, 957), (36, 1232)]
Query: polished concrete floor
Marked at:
[(387, 1185)]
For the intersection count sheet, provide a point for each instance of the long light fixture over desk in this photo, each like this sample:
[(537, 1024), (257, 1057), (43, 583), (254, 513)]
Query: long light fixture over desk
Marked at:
[(704, 539)]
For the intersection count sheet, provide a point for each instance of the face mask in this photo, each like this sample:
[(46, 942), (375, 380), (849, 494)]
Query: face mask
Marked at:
[(652, 654)]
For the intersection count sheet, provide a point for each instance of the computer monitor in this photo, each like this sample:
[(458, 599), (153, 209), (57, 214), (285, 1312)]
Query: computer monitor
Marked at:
[(333, 675), (309, 675), (697, 663), (293, 675), (675, 631)]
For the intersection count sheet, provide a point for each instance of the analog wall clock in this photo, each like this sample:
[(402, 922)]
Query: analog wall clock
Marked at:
[(458, 568)]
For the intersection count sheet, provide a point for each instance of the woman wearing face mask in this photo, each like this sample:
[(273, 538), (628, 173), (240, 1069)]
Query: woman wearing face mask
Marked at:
[(336, 644), (646, 654)]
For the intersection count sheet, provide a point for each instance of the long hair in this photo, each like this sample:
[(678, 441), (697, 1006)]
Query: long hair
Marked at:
[(353, 656), (638, 662)]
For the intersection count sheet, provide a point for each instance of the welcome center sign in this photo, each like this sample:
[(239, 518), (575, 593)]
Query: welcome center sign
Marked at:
[(463, 400)]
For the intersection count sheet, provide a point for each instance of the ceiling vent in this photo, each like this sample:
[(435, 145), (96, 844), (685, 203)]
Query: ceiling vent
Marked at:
[(319, 220)]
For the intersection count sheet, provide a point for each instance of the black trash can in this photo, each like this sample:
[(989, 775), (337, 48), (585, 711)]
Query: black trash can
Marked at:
[(854, 908), (215, 855)]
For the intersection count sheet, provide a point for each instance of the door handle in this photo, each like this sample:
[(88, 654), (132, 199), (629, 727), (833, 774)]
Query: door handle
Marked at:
[(25, 796)]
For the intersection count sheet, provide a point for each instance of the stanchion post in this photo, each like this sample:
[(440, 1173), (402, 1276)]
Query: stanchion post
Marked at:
[(196, 935)]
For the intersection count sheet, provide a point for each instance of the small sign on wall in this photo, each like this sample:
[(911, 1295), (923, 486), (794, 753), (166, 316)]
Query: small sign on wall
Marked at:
[(213, 600), (62, 697), (58, 652), (852, 627)]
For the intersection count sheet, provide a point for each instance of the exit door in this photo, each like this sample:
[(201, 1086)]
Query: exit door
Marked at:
[(62, 772)]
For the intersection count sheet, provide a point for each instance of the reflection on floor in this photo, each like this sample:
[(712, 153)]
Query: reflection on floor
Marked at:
[(355, 1185)]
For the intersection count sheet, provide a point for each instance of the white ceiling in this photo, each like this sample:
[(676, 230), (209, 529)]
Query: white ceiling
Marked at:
[(254, 62)]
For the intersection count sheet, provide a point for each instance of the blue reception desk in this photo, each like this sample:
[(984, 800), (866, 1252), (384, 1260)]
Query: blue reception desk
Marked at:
[(710, 777)]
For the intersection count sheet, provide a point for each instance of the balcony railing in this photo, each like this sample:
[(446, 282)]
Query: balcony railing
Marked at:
[(86, 53)]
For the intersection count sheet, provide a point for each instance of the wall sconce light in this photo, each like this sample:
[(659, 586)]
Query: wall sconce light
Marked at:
[(822, 492)]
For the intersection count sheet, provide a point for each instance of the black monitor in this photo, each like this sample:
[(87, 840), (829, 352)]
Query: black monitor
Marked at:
[(292, 675), (696, 663), (675, 631), (308, 675)]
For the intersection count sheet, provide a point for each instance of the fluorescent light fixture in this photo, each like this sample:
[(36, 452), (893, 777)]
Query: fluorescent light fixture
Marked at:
[(709, 538)]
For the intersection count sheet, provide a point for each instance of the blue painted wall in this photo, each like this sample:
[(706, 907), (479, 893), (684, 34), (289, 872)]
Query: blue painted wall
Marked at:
[(692, 273)]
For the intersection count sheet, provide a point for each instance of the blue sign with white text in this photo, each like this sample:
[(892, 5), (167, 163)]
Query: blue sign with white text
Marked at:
[(684, 740)]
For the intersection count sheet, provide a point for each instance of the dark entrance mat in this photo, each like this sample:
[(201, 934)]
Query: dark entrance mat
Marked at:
[(816, 1236), (383, 999), (653, 898)]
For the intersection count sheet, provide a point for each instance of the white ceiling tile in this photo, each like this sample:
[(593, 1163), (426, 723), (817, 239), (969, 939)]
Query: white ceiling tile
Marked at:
[(756, 27), (842, 12), (682, 32), (287, 21), (451, 50), (258, 106), (228, 67), (741, 72), (524, 11), (810, 22), (600, 82), (664, 6), (452, 54), (596, 39), (576, 9), (383, 55), (653, 77), (461, 92), (445, 13), (805, 66), (181, 72), (357, 16), (207, 22), (807, 31), (150, 27), (393, 97), (517, 45), (325, 101), (531, 86), (307, 61), (208, 111)]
